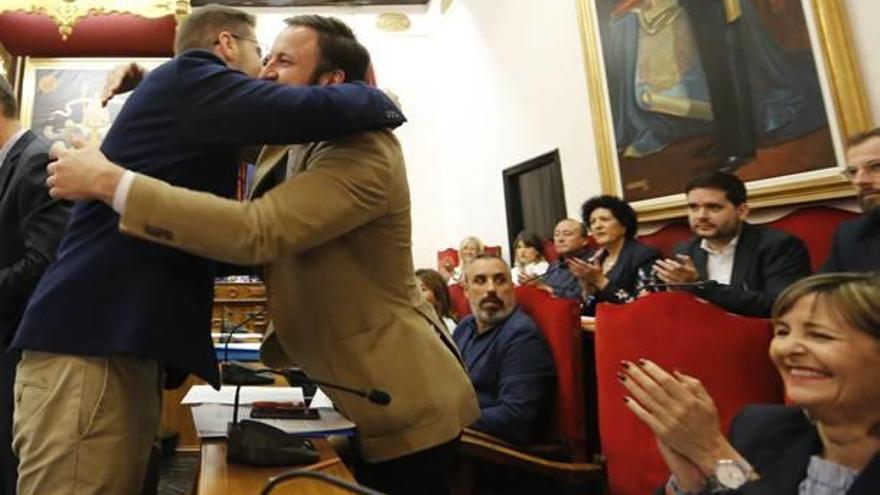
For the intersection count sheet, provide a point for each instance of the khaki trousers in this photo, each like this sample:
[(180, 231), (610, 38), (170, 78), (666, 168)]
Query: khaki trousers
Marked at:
[(84, 425)]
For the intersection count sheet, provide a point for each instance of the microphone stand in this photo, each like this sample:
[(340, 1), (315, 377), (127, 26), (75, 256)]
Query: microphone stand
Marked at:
[(323, 477), (232, 373)]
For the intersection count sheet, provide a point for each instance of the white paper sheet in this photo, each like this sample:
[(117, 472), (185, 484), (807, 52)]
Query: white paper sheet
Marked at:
[(320, 400), (204, 394)]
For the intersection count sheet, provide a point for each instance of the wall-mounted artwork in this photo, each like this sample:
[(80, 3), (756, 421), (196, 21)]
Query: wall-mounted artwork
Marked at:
[(766, 89), (61, 97)]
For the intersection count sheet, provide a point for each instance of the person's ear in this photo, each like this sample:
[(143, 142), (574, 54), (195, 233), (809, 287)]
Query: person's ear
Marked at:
[(742, 211), (225, 46), (335, 76)]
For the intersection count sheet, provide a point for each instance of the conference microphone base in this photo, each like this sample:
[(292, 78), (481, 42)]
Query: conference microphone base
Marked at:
[(258, 444)]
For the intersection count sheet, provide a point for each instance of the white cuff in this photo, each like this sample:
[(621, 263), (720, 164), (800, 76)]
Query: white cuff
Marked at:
[(120, 196)]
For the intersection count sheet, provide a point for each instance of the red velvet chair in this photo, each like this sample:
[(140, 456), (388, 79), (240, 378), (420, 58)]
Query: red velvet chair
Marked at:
[(559, 321), (728, 353), (496, 250), (815, 225), (667, 237), (549, 251), (447, 258)]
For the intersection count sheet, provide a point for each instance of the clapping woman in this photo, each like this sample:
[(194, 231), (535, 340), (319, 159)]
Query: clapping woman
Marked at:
[(826, 347)]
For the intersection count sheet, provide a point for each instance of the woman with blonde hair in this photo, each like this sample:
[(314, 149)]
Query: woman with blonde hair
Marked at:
[(826, 347), (470, 248)]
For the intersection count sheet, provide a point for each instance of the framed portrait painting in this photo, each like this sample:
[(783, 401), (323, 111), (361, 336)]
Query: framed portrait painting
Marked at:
[(766, 89), (60, 97)]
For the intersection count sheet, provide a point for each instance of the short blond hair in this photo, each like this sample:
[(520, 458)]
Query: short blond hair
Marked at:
[(853, 297), (471, 239), (201, 27)]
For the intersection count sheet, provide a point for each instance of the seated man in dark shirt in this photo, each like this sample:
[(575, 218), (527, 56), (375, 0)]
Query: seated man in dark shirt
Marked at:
[(569, 240), (506, 355)]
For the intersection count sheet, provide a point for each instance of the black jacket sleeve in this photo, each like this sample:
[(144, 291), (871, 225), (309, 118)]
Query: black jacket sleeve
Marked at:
[(42, 222), (781, 263)]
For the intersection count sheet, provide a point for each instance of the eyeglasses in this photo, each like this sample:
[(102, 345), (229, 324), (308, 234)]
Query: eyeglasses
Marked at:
[(871, 169), (249, 40)]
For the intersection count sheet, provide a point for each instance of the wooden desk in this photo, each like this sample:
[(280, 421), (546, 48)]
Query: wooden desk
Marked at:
[(218, 478)]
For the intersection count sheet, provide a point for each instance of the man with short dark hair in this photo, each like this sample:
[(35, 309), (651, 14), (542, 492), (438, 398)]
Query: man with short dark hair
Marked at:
[(746, 266), (31, 225), (569, 240), (114, 316), (855, 246), (506, 355), (330, 222)]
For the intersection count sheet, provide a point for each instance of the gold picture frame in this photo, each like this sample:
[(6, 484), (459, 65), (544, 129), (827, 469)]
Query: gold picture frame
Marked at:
[(60, 97), (843, 98)]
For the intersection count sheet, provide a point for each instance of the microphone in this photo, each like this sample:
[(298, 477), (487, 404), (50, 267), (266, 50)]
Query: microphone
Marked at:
[(702, 284), (324, 477), (296, 377), (259, 444), (234, 373)]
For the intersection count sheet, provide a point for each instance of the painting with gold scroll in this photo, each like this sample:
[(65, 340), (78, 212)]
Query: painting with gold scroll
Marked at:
[(61, 97), (698, 85)]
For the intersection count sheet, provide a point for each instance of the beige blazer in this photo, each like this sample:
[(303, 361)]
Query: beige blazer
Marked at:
[(335, 239)]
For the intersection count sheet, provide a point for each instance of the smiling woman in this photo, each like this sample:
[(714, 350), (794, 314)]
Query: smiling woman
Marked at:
[(826, 346)]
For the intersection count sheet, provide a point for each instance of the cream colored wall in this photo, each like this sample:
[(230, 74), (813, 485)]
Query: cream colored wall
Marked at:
[(493, 83)]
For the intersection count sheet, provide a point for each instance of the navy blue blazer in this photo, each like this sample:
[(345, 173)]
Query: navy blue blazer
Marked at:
[(513, 373), (765, 262), (624, 278), (778, 442), (110, 294), (855, 246)]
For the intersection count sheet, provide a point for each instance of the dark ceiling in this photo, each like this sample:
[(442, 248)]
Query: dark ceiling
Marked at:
[(309, 3)]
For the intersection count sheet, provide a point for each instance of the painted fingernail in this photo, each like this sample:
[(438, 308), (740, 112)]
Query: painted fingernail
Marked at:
[(642, 362), (626, 399), (625, 364), (621, 377)]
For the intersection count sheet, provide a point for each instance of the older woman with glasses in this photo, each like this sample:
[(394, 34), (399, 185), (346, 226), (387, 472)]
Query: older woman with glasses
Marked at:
[(826, 346)]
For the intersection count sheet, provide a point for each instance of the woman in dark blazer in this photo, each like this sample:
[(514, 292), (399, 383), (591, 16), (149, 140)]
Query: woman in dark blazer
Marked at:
[(613, 273), (826, 346)]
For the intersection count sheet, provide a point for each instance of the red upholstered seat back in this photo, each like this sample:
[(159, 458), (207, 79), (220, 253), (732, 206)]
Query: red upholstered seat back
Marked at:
[(549, 251), (728, 353), (667, 237), (559, 321), (815, 225), (459, 301), (447, 257), (496, 250)]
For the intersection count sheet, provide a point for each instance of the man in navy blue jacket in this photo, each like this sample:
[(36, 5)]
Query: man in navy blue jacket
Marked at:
[(505, 354), (112, 313), (855, 246)]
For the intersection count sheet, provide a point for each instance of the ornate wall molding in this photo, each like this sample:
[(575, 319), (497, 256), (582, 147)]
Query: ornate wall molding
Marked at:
[(66, 13)]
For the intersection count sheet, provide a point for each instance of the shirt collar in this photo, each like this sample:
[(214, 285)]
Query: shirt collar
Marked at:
[(4, 151), (729, 248)]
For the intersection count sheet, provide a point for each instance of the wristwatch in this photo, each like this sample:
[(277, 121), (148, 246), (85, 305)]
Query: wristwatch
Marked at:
[(729, 475)]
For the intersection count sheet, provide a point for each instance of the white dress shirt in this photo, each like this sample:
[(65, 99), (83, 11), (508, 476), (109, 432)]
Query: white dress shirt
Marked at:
[(719, 263)]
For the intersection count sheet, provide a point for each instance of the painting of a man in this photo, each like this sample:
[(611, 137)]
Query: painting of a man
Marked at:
[(697, 85)]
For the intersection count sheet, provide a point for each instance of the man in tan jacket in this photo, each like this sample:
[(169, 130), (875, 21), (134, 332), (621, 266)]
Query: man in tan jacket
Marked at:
[(335, 239)]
